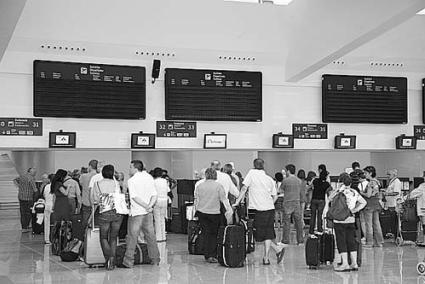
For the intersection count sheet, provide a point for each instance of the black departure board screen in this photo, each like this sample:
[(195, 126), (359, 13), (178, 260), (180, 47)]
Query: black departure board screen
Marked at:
[(364, 99), (213, 95), (89, 90)]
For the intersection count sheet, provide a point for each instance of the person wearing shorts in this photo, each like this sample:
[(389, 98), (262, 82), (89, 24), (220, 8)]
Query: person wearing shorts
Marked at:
[(262, 195)]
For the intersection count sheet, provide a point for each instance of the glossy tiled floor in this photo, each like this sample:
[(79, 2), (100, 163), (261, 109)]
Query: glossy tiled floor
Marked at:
[(24, 259)]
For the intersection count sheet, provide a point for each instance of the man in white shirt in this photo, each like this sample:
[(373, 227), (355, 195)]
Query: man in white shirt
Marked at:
[(97, 177), (143, 196), (225, 180), (262, 195)]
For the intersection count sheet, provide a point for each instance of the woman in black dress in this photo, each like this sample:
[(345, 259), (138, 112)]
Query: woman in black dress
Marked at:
[(62, 208)]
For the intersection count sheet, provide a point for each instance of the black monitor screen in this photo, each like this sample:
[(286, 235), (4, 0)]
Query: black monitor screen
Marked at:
[(62, 139)]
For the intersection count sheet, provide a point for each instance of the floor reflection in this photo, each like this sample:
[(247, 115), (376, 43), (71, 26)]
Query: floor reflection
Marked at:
[(25, 259)]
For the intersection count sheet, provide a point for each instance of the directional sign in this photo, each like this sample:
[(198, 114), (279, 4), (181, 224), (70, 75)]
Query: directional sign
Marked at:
[(172, 129), (310, 131), (21, 126)]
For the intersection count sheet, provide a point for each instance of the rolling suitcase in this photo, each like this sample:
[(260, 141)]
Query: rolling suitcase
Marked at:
[(231, 245), (327, 244), (195, 238), (93, 255), (387, 219), (77, 227), (313, 251)]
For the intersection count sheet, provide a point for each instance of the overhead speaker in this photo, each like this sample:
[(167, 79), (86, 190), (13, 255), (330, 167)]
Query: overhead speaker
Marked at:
[(156, 66)]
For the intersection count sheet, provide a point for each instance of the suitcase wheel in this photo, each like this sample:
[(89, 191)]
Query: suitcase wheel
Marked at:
[(399, 241), (420, 267)]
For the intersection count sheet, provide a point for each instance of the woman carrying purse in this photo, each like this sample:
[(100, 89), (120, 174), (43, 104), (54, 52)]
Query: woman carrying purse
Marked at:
[(108, 219)]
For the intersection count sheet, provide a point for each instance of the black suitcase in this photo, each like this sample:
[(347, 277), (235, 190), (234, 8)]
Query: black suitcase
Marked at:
[(78, 230), (387, 219), (176, 224), (327, 246), (61, 235), (409, 230), (195, 238), (231, 246), (312, 251)]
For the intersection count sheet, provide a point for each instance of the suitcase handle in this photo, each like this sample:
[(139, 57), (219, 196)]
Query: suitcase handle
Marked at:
[(93, 210)]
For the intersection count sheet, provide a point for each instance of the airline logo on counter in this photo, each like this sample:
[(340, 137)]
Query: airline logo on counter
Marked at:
[(345, 142), (143, 140), (62, 139)]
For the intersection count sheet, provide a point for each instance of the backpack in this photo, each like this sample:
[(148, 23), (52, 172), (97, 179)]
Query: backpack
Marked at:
[(338, 209)]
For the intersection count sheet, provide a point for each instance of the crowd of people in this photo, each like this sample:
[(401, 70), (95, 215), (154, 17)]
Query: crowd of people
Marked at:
[(219, 195)]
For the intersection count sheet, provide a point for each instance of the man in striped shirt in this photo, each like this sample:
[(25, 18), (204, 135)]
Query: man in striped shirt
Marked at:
[(27, 188)]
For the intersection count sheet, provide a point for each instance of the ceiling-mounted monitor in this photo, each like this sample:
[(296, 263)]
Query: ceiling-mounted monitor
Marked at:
[(89, 90), (214, 95), (364, 99)]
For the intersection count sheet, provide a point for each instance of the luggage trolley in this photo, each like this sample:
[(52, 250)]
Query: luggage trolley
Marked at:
[(407, 229)]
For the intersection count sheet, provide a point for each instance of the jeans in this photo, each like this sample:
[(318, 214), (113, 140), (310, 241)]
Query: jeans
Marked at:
[(292, 208), (72, 204), (209, 225), (136, 224), (363, 222), (317, 206), (302, 204), (159, 214), (373, 227), (47, 214), (345, 237), (109, 223), (25, 209)]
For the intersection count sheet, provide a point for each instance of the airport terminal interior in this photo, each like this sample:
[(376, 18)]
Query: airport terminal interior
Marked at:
[(180, 85)]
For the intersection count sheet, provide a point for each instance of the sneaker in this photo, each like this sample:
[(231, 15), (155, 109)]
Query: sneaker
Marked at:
[(122, 265), (342, 268), (47, 243), (279, 256), (26, 230), (354, 267), (266, 262), (212, 260)]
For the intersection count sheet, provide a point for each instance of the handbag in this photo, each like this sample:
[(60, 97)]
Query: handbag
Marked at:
[(120, 203)]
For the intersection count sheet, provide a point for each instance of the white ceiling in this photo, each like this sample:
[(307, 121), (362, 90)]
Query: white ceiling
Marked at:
[(302, 38)]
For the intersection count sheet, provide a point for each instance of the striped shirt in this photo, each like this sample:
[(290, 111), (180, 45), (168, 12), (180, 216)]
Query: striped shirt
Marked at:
[(27, 187)]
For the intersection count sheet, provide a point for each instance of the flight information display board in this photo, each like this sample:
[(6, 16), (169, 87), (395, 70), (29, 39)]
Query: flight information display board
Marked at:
[(364, 99), (213, 95), (89, 90)]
